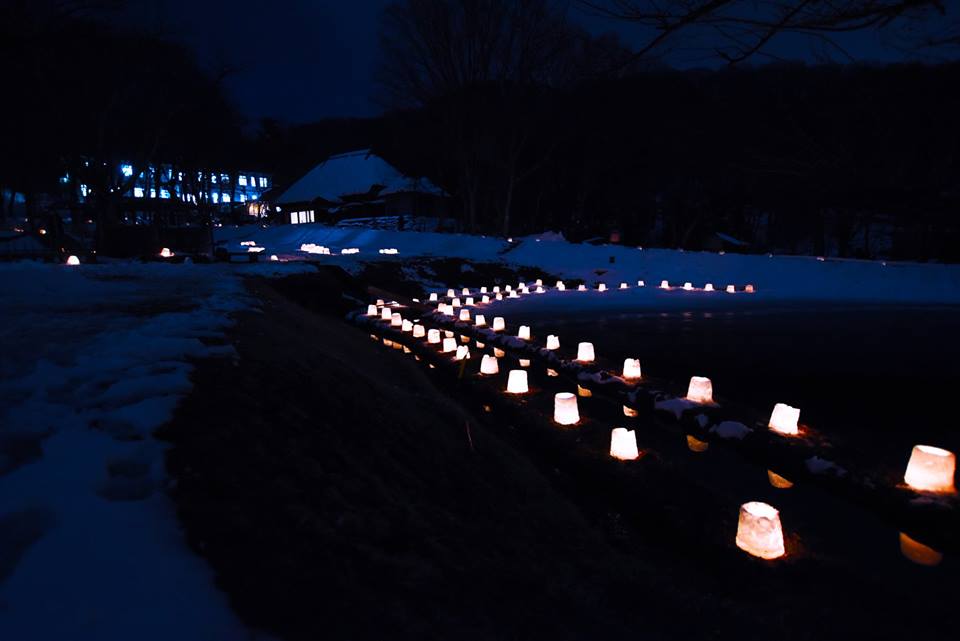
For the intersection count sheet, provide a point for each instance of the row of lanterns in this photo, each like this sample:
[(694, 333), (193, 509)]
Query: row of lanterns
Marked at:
[(759, 531), (508, 291)]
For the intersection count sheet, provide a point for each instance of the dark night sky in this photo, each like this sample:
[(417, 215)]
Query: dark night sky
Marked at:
[(302, 60)]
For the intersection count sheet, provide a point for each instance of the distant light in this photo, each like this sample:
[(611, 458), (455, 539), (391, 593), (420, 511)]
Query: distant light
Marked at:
[(708, 287), (630, 412), (419, 331), (731, 289), (127, 170), (688, 286), (498, 324), (463, 352), (480, 321)]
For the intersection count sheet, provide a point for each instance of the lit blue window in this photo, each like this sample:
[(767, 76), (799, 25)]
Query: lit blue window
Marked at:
[(263, 181), (242, 180), (226, 198), (164, 193), (138, 192), (127, 170), (216, 197), (243, 198), (213, 178), (83, 190), (153, 193)]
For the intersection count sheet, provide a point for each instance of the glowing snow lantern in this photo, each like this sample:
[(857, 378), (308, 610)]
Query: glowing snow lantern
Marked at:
[(552, 372), (688, 286), (784, 419), (700, 390), (708, 287), (464, 314), (640, 283), (488, 365), (630, 412), (480, 321), (631, 368), (433, 297), (602, 287), (273, 258), (507, 288), (465, 292), (449, 345), (584, 392), (498, 324), (455, 302), (499, 353), (539, 282), (451, 293), (380, 302), (521, 285), (517, 382), (731, 289), (931, 469), (407, 326), (759, 532), (372, 310), (553, 342), (73, 261), (447, 333), (499, 296), (696, 445), (918, 552), (623, 444), (524, 332), (433, 336), (513, 294), (485, 299), (469, 301), (585, 352), (560, 286), (418, 331), (483, 290), (166, 253), (396, 320), (582, 288), (539, 289), (565, 410), (524, 362), (624, 286), (749, 289), (496, 289), (385, 314), (463, 352), (778, 481), (664, 284)]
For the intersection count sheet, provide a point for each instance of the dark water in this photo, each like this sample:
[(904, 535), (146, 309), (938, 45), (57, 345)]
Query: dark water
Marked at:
[(883, 377)]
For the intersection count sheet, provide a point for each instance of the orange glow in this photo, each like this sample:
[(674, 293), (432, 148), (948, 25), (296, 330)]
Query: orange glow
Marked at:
[(565, 410), (499, 353), (552, 372), (784, 419), (700, 390), (630, 412), (585, 352), (584, 392), (696, 445), (631, 368), (524, 362), (931, 469), (517, 382), (918, 552), (489, 365), (749, 289), (778, 481), (759, 531), (623, 444)]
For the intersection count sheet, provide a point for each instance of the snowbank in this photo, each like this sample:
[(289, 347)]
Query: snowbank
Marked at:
[(775, 278), (95, 358)]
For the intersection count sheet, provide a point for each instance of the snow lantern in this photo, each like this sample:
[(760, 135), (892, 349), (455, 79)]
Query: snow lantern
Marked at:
[(582, 288), (451, 293), (499, 296), (485, 299), (465, 292), (539, 289), (380, 302), (708, 287), (273, 257), (480, 321), (483, 290), (553, 342), (585, 352), (396, 320), (521, 285), (664, 284), (931, 469), (749, 289), (688, 286), (696, 445), (447, 333), (539, 282), (385, 314), (463, 352), (631, 368), (514, 294), (407, 326), (918, 552), (778, 481), (630, 412), (524, 362), (602, 287), (480, 345), (73, 261), (433, 336), (433, 297), (560, 285), (640, 283), (371, 310), (464, 338), (455, 302), (517, 382), (496, 289), (418, 331), (449, 345), (731, 289), (524, 332), (166, 253), (624, 286), (465, 314), (623, 444), (469, 301), (565, 410), (784, 419), (700, 390), (759, 531), (488, 365)]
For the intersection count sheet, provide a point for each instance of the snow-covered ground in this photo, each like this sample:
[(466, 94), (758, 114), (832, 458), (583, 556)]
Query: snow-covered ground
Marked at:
[(775, 278), (94, 359)]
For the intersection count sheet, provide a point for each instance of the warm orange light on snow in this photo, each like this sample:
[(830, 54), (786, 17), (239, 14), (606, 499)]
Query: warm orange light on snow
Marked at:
[(584, 392), (517, 382), (553, 342), (918, 552), (585, 352), (696, 445), (700, 390), (565, 410), (630, 412), (784, 419), (778, 481), (488, 365), (552, 372), (499, 353), (749, 289), (631, 368), (931, 469), (623, 444), (759, 531)]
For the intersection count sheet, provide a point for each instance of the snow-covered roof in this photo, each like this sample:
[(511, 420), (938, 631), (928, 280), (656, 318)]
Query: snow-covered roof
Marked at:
[(353, 173)]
